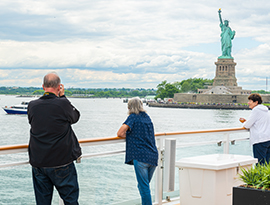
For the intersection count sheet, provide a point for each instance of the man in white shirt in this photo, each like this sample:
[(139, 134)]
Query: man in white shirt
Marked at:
[(259, 125)]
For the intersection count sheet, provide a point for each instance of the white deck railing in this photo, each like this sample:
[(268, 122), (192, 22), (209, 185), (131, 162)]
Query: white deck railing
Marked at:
[(160, 137)]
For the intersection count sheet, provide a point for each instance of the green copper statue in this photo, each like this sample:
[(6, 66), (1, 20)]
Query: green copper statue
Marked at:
[(227, 36)]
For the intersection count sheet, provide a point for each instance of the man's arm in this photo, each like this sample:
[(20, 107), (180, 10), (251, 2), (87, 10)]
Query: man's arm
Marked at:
[(61, 91), (72, 113)]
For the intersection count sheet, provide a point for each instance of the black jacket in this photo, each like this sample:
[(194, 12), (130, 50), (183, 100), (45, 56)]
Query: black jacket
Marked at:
[(52, 140)]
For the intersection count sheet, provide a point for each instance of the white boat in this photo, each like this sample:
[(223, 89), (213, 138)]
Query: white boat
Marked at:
[(17, 109)]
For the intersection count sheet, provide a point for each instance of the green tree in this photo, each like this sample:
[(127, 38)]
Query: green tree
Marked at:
[(161, 90), (193, 84), (68, 93), (135, 93), (260, 91), (167, 90), (38, 92), (186, 87), (170, 90)]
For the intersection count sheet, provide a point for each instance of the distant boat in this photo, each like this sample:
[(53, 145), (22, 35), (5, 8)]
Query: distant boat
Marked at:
[(142, 99), (150, 99), (17, 109)]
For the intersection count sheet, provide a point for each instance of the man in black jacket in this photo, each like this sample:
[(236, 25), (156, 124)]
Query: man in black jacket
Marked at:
[(53, 145)]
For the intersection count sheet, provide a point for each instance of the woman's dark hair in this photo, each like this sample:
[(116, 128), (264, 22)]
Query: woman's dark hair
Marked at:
[(255, 97)]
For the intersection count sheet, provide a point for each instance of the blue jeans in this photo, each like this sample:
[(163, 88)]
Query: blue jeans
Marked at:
[(144, 173), (63, 178), (262, 152)]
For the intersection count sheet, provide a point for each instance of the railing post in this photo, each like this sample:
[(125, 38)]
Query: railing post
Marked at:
[(226, 143), (159, 173)]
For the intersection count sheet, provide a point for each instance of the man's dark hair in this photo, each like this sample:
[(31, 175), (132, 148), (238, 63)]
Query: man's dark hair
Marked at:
[(255, 97), (51, 81)]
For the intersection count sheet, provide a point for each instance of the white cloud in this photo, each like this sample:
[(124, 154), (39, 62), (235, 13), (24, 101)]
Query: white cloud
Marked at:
[(129, 41), (85, 78)]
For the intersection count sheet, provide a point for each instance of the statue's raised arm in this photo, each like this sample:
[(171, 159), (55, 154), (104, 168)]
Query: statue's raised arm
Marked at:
[(227, 36), (219, 14)]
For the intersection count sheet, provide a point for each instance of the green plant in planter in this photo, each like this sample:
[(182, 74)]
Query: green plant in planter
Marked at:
[(266, 176), (257, 176)]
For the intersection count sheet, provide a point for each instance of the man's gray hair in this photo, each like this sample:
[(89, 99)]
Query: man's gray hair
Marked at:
[(135, 105), (51, 80)]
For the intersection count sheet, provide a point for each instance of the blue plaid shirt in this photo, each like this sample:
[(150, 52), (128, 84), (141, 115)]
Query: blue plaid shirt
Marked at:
[(140, 140)]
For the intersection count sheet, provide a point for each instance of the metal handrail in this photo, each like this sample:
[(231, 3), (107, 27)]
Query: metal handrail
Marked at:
[(9, 149), (113, 140)]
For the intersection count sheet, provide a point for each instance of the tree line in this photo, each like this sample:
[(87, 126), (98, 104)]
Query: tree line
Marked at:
[(163, 90), (82, 92), (191, 85)]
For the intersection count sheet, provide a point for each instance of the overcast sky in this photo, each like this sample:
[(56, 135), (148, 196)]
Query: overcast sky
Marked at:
[(132, 44)]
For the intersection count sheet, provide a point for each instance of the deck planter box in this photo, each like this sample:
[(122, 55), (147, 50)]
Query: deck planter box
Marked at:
[(209, 179), (250, 196)]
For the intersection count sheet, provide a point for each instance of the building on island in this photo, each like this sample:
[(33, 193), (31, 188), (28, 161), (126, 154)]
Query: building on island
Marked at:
[(223, 90), (225, 81)]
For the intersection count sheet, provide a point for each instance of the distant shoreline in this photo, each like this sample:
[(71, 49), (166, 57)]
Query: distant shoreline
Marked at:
[(201, 106), (29, 96)]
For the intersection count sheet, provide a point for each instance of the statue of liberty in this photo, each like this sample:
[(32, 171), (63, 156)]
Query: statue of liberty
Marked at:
[(227, 36)]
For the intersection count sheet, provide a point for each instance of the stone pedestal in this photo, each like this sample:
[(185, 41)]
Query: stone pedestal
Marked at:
[(225, 73)]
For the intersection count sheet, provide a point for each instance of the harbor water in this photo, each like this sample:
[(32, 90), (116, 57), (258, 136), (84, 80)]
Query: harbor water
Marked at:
[(107, 180)]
